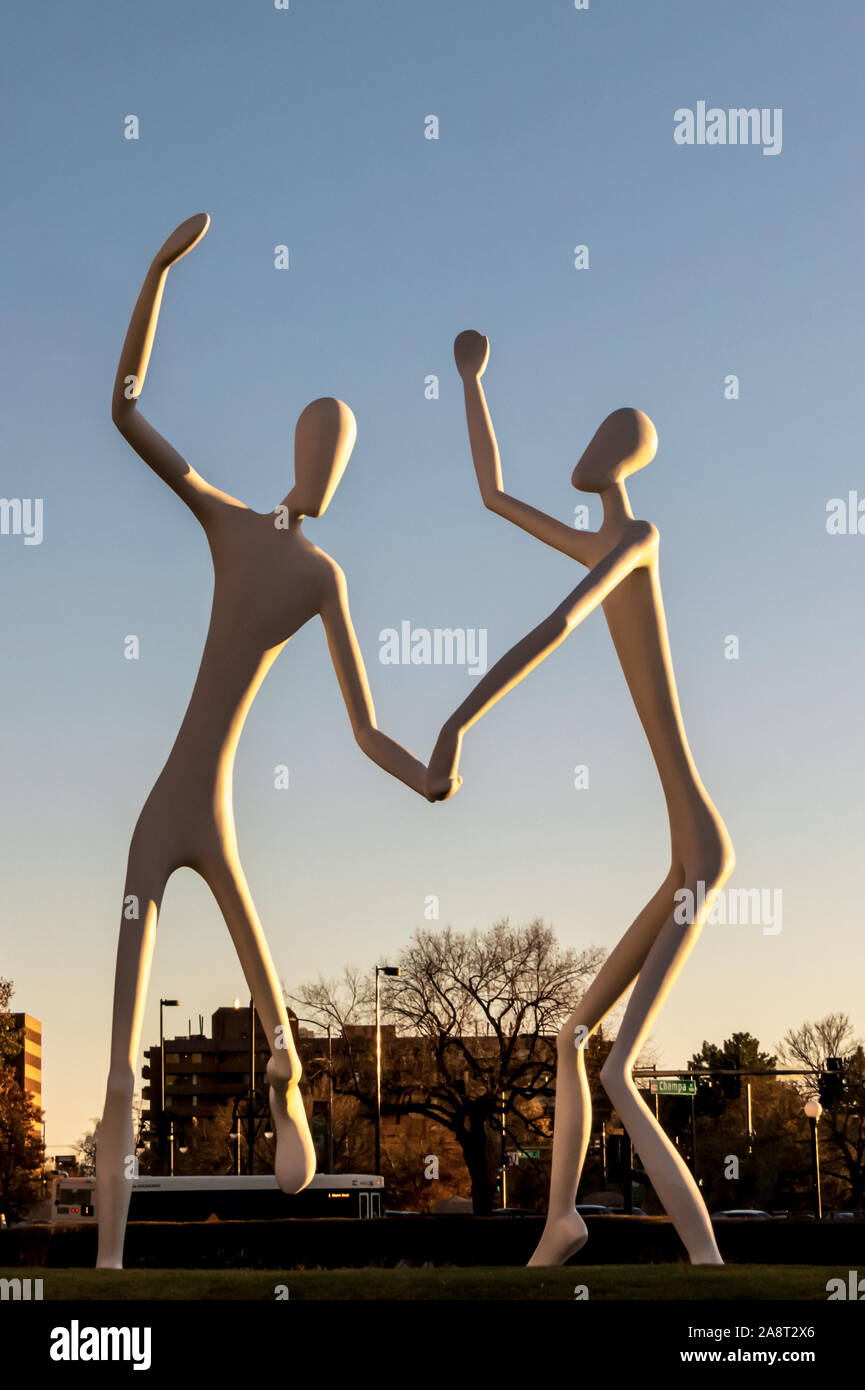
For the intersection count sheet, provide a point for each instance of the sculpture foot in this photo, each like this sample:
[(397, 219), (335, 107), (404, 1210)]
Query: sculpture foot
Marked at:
[(109, 1262), (707, 1257), (562, 1238), (294, 1166)]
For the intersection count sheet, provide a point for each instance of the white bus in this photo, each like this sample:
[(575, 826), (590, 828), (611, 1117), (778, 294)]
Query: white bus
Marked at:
[(229, 1198)]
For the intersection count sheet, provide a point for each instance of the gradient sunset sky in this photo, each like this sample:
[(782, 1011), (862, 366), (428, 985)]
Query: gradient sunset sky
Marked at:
[(305, 128)]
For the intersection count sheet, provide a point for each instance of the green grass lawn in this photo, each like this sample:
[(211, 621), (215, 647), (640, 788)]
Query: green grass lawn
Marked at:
[(652, 1282)]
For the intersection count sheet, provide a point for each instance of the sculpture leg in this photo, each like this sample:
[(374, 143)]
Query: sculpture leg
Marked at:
[(565, 1231), (115, 1149), (667, 1170), (295, 1152)]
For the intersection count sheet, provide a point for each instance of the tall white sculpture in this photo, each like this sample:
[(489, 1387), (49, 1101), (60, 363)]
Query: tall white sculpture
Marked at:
[(269, 581), (622, 559)]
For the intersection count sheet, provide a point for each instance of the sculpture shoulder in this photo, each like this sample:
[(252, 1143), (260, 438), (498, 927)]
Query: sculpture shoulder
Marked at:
[(330, 575), (644, 535), (635, 536)]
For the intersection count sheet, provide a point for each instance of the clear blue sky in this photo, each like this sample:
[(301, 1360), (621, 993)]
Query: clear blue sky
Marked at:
[(306, 128)]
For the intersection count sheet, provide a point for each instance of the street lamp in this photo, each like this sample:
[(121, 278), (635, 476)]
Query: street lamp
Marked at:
[(164, 1004), (503, 1153), (379, 970), (813, 1109), (250, 1124), (254, 1115)]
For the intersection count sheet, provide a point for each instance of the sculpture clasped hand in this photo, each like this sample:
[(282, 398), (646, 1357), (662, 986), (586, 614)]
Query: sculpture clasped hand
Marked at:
[(443, 779)]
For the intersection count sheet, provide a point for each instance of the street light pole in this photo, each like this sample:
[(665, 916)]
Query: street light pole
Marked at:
[(250, 1122), (163, 1004), (329, 1100), (504, 1159), (379, 970), (813, 1109)]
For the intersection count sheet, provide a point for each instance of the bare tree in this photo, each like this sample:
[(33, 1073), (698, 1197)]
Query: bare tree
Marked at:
[(844, 1120), (85, 1149), (478, 1014)]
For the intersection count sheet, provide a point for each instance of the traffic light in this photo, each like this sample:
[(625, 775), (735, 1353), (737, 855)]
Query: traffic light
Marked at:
[(732, 1087), (830, 1083)]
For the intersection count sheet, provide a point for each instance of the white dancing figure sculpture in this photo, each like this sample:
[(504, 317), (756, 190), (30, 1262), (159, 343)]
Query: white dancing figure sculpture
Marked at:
[(622, 559), (269, 581)]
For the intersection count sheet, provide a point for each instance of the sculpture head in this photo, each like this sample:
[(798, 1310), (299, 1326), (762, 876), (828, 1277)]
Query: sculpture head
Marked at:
[(625, 442), (323, 440)]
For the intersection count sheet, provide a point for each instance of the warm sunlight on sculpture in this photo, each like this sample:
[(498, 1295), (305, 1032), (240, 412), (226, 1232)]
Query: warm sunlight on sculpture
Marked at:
[(622, 559)]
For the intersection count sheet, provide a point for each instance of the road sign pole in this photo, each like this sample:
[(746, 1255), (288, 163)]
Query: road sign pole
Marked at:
[(629, 1184)]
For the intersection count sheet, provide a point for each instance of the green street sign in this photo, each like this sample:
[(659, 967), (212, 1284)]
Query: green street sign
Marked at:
[(532, 1153), (665, 1086)]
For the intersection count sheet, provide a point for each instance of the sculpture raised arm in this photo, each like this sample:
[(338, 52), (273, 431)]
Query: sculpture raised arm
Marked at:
[(471, 353), (147, 442)]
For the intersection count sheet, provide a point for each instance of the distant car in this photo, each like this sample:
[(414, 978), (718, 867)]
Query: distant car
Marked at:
[(594, 1209), (741, 1211), (839, 1216), (393, 1212), (512, 1211)]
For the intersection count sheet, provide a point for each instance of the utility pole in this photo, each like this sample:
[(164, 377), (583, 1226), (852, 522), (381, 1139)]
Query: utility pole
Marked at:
[(379, 970), (250, 1119), (329, 1100), (503, 1157)]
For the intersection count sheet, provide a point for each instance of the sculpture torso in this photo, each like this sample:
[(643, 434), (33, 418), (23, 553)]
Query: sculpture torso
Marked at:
[(268, 582), (635, 616)]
